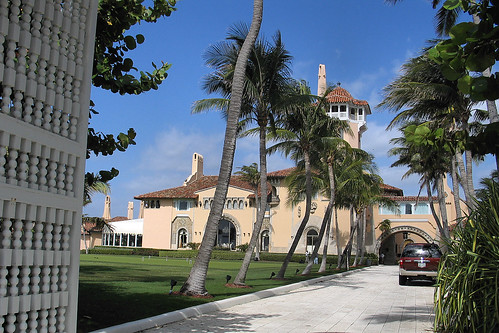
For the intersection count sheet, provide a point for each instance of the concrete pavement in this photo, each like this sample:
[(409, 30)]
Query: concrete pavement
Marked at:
[(370, 300)]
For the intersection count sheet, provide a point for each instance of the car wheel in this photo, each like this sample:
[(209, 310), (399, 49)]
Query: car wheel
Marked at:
[(402, 280)]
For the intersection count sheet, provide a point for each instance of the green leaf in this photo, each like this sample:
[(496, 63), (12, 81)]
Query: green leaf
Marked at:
[(452, 4), (450, 73), (422, 130), (130, 42), (460, 32), (479, 61), (140, 38), (464, 84)]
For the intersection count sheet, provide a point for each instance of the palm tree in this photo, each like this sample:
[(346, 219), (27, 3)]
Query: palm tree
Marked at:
[(362, 191), (302, 127), (267, 76), (431, 163), (94, 183), (429, 97), (333, 151), (196, 282)]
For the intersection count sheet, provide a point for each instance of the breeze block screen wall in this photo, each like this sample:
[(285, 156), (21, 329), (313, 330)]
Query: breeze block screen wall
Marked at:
[(45, 72)]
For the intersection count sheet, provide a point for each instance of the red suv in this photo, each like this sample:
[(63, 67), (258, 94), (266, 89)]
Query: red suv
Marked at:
[(419, 261)]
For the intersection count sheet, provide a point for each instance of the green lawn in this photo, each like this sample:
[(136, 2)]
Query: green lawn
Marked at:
[(118, 289)]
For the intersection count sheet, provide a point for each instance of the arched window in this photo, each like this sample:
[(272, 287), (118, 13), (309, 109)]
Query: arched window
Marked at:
[(311, 237), (182, 238), (264, 241), (157, 203), (226, 236), (206, 204), (241, 204), (229, 204)]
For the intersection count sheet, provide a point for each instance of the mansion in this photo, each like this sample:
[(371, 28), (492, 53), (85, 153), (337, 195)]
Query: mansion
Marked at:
[(174, 217)]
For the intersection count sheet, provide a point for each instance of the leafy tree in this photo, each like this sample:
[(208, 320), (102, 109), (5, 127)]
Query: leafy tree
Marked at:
[(113, 69), (196, 282), (473, 47)]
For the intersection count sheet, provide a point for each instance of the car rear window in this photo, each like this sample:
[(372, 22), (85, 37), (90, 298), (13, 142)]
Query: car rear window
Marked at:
[(428, 251)]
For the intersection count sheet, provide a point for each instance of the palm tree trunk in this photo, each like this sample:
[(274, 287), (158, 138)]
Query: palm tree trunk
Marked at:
[(455, 188), (363, 240), (469, 176), (338, 235), (332, 198), (317, 244), (322, 267), (432, 208), (301, 228), (463, 177), (442, 206), (196, 282), (348, 248), (241, 276)]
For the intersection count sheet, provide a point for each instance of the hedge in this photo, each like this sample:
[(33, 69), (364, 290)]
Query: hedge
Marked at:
[(216, 254)]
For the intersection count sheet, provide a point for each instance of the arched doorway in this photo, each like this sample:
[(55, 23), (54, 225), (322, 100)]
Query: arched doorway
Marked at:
[(312, 235), (264, 241), (182, 238), (226, 235), (390, 244)]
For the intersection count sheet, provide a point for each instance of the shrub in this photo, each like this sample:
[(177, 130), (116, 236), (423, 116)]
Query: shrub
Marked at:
[(193, 246), (467, 299), (242, 247)]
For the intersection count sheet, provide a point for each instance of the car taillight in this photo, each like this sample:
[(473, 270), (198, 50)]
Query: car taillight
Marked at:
[(400, 262)]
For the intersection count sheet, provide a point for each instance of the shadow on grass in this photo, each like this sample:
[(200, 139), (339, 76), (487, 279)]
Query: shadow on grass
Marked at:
[(95, 299)]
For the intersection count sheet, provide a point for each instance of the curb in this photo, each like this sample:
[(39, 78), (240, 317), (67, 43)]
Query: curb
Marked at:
[(197, 310)]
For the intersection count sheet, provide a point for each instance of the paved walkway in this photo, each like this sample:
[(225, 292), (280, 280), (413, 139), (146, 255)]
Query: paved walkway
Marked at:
[(370, 300)]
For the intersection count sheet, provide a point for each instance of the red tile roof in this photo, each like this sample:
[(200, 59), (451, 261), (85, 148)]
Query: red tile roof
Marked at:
[(281, 173), (190, 190), (341, 95), (410, 198)]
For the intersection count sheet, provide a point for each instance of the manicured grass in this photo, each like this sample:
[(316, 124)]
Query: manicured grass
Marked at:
[(119, 289)]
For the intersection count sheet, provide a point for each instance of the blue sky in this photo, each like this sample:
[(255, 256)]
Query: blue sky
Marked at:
[(362, 43)]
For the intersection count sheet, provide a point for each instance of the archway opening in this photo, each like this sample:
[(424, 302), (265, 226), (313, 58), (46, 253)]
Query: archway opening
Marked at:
[(392, 246), (182, 238), (265, 241), (311, 237), (226, 235)]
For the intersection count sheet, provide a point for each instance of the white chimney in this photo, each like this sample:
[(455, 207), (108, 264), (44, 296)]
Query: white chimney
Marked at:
[(321, 82), (130, 210)]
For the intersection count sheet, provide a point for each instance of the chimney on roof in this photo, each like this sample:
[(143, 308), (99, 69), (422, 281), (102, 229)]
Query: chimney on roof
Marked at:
[(197, 168), (141, 210), (107, 208), (321, 82), (130, 210)]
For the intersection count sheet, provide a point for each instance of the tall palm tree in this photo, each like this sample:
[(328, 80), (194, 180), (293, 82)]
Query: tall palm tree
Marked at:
[(196, 282), (429, 97), (267, 76), (431, 163), (303, 125)]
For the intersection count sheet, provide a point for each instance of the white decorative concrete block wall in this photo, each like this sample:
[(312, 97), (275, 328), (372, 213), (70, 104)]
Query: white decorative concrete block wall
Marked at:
[(45, 71)]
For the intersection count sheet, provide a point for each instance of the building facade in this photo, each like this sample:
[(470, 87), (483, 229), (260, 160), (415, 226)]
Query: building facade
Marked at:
[(172, 218)]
